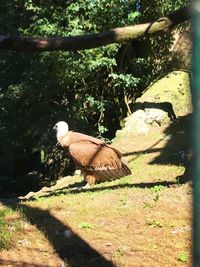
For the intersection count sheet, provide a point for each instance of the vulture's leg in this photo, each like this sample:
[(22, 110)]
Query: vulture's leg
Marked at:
[(90, 179)]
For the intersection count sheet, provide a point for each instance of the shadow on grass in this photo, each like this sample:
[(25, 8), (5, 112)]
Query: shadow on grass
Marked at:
[(176, 150), (74, 251), (73, 189), (178, 143)]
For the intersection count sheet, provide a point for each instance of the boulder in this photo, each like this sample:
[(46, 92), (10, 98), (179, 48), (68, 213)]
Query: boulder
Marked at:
[(161, 103)]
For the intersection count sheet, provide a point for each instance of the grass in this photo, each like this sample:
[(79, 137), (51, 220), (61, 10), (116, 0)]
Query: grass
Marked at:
[(5, 239), (11, 224), (143, 219), (85, 225), (183, 257)]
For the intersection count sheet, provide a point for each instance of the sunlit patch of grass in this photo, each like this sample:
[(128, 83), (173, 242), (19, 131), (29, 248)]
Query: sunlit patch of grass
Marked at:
[(119, 252), (125, 180), (158, 188), (56, 205), (11, 222), (152, 246), (85, 225), (155, 223), (5, 237)]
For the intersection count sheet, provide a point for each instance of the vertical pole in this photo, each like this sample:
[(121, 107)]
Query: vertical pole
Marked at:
[(196, 135)]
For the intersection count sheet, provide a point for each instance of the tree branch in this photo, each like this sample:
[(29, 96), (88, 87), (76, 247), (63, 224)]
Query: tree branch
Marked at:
[(81, 42)]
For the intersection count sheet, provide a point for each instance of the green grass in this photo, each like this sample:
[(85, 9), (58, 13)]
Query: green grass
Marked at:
[(11, 222), (136, 217), (85, 225), (183, 257), (5, 237)]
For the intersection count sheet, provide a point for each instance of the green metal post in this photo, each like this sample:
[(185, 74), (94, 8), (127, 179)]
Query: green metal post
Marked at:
[(196, 135)]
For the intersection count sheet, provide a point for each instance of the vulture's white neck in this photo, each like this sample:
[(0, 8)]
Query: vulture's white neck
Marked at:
[(60, 136), (62, 129)]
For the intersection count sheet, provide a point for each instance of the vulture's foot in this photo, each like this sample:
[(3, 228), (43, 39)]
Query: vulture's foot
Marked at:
[(80, 188)]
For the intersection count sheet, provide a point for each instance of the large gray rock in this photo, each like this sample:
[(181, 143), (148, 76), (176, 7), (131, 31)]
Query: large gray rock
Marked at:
[(163, 102)]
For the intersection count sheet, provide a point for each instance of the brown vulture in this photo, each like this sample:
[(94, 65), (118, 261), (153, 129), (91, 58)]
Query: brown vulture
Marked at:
[(97, 160)]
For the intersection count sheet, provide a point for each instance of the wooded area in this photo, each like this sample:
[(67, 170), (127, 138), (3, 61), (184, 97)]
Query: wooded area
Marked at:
[(92, 89)]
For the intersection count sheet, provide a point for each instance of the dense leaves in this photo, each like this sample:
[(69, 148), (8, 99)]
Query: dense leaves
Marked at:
[(92, 90)]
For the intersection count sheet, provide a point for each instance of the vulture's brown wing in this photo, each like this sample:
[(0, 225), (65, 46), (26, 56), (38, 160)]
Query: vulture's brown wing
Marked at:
[(101, 159)]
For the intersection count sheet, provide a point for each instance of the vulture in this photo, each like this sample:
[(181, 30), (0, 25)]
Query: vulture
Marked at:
[(97, 160)]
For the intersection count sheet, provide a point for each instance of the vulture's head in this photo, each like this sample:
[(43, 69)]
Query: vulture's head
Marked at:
[(61, 129)]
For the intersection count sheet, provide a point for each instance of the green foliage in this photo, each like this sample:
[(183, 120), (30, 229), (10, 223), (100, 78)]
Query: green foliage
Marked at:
[(90, 89), (124, 80)]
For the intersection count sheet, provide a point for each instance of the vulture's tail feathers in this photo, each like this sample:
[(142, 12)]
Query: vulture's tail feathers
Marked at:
[(113, 173), (125, 168)]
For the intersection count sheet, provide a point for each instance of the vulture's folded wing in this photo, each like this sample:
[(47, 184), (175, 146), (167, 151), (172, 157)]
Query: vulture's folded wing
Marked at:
[(101, 159)]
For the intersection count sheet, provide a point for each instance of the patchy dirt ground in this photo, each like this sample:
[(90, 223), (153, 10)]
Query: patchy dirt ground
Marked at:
[(140, 220)]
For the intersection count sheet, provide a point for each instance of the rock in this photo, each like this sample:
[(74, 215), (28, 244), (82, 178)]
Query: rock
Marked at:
[(28, 196), (162, 103), (68, 233), (108, 244), (170, 92), (77, 172), (136, 123)]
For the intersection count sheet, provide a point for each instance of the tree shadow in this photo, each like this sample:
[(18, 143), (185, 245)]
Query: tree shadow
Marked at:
[(178, 144), (177, 149), (165, 106), (74, 251), (76, 188)]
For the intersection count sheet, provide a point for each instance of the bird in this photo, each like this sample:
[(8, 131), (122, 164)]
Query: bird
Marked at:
[(97, 160)]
